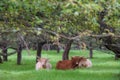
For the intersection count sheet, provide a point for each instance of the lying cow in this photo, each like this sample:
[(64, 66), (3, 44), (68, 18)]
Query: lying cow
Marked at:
[(68, 64), (43, 63), (85, 63)]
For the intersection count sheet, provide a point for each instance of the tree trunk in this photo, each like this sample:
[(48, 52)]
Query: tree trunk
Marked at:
[(58, 49), (115, 49), (48, 47), (101, 22), (109, 41), (19, 55), (66, 50), (39, 49), (4, 51), (91, 50), (1, 60), (116, 57)]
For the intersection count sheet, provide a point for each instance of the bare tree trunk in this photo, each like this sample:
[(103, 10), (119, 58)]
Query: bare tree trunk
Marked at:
[(67, 49), (19, 55), (39, 49), (1, 60), (4, 51), (58, 49), (26, 45), (116, 57), (115, 49), (91, 50)]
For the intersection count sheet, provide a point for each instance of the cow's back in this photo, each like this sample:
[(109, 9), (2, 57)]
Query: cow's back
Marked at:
[(63, 65)]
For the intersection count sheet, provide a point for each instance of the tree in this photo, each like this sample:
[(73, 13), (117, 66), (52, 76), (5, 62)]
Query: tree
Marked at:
[(63, 19), (109, 22)]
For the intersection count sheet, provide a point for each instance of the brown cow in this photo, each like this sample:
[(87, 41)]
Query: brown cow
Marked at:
[(68, 64)]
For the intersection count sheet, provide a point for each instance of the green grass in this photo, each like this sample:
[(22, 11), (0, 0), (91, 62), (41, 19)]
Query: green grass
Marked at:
[(104, 68)]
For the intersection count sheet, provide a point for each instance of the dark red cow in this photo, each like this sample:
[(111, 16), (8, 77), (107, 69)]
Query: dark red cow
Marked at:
[(68, 64)]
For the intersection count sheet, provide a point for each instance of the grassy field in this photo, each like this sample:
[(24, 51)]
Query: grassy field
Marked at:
[(104, 68)]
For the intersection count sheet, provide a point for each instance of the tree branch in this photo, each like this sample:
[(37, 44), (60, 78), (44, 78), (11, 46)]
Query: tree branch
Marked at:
[(21, 37), (105, 35)]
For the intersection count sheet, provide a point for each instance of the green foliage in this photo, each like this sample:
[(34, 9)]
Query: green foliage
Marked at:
[(68, 17), (27, 9)]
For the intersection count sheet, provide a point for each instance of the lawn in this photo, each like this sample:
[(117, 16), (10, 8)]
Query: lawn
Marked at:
[(104, 67)]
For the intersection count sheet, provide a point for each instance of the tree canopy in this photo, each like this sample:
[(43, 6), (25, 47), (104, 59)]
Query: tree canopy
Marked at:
[(59, 18)]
